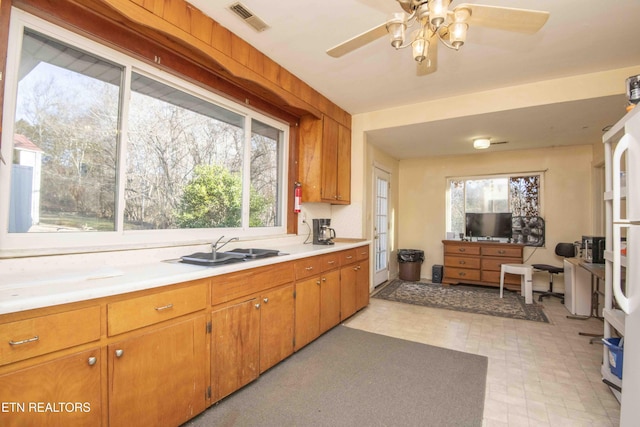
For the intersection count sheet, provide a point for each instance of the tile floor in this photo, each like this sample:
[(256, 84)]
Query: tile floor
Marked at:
[(540, 374)]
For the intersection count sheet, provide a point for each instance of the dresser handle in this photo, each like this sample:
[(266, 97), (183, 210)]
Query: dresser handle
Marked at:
[(501, 251), (28, 340), (462, 249), (164, 307), (462, 273), (462, 262)]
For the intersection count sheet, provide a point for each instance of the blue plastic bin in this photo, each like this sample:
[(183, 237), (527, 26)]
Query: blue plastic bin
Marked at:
[(616, 355)]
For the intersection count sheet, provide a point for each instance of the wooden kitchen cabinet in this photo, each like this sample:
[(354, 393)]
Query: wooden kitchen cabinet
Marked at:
[(317, 298), (354, 281), (277, 309), (479, 263), (159, 377), (235, 347), (60, 392), (325, 161)]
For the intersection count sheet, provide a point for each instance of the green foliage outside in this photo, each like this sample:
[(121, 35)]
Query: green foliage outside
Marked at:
[(213, 199)]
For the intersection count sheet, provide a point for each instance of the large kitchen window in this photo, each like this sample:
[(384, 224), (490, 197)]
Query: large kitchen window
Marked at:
[(100, 144), (519, 194)]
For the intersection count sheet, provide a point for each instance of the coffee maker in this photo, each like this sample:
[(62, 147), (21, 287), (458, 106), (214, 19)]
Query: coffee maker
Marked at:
[(323, 234)]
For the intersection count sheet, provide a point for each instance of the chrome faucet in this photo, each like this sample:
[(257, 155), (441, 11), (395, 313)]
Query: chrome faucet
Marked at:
[(215, 248)]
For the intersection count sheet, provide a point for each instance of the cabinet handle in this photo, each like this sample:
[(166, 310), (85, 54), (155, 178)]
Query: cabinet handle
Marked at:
[(350, 257), (164, 307), (28, 340), (331, 262), (257, 306), (266, 300), (363, 253), (309, 268), (119, 353), (92, 360), (324, 279), (318, 282)]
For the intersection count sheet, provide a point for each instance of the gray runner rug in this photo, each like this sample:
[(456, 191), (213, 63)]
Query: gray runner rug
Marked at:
[(471, 299), (349, 377)]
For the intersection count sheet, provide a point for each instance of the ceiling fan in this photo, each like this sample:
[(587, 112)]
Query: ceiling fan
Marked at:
[(432, 20)]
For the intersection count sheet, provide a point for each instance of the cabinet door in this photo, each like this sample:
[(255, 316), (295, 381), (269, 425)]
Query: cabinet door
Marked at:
[(329, 186), (362, 285), (344, 165), (348, 279), (307, 323), (276, 326), (158, 378), (235, 347), (329, 300), (63, 392)]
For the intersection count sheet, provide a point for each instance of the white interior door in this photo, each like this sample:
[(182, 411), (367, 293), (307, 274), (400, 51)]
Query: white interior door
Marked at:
[(381, 226)]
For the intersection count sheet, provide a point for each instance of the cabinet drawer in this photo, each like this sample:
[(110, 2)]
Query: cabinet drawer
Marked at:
[(493, 264), (307, 267), (329, 262), (348, 257), (461, 274), (462, 249), (40, 335), (502, 252), (134, 313), (462, 262), (362, 253)]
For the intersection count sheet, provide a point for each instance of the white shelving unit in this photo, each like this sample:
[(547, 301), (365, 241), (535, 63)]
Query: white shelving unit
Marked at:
[(616, 227)]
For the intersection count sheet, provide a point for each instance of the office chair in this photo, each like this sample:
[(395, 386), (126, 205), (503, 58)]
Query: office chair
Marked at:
[(565, 250)]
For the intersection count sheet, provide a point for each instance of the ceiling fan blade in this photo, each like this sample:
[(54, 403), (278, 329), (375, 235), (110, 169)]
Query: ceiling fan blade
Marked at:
[(358, 41), (430, 65), (506, 18)]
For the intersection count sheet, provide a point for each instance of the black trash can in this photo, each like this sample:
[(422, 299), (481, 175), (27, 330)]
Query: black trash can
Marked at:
[(410, 261)]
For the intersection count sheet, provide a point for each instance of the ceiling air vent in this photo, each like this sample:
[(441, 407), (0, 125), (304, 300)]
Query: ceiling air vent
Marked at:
[(247, 16)]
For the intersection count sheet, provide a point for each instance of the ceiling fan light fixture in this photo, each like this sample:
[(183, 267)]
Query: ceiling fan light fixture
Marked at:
[(396, 27), (438, 10), (458, 34), (420, 46), (481, 143)]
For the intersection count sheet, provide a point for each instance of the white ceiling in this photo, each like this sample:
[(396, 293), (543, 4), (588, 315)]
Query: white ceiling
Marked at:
[(580, 37)]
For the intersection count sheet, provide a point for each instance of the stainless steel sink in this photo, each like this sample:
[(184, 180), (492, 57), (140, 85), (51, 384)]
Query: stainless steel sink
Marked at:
[(254, 253), (207, 259)]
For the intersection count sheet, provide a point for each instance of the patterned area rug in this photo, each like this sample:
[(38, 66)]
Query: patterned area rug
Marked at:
[(472, 299)]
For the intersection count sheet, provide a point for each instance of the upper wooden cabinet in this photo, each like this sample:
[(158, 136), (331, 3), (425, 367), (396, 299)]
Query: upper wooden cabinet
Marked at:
[(325, 161)]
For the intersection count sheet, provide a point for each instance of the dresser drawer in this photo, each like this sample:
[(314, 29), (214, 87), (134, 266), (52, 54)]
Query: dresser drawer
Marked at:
[(41, 335), (502, 252), (307, 267), (135, 313), (462, 249), (461, 274), (493, 264), (461, 262), (494, 277)]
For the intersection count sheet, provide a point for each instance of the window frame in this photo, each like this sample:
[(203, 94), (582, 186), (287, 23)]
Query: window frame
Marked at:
[(507, 176), (60, 243)]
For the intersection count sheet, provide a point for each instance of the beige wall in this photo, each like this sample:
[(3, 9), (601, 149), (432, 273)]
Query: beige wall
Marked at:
[(566, 197)]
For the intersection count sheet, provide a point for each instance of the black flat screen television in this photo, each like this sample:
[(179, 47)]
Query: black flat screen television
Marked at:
[(488, 225)]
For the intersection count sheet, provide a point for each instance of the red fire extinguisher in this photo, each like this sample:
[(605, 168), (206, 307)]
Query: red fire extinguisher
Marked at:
[(297, 197)]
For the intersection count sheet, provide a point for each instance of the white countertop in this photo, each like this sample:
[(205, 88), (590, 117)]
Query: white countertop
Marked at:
[(26, 292)]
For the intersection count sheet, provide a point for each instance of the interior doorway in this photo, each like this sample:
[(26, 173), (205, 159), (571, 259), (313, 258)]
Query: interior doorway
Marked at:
[(381, 226)]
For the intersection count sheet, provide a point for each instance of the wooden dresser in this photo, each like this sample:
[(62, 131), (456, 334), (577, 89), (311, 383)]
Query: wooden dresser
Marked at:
[(479, 263)]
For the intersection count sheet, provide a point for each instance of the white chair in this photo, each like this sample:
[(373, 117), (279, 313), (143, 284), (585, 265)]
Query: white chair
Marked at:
[(526, 284)]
